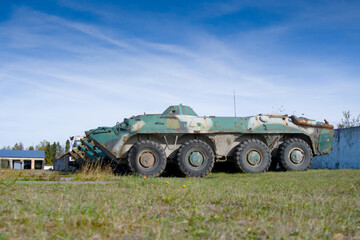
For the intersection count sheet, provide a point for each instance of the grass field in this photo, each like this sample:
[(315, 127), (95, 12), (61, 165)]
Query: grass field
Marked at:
[(316, 204)]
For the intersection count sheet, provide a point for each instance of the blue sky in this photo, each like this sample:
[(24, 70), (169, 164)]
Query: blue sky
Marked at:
[(69, 66)]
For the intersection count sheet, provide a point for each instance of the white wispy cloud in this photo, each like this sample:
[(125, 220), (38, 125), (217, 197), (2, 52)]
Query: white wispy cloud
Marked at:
[(60, 77)]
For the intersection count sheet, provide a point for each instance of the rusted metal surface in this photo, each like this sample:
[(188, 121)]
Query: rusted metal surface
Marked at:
[(147, 159), (311, 123)]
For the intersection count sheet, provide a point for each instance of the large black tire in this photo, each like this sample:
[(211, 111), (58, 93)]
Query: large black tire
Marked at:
[(195, 158), (146, 158), (253, 156), (295, 155)]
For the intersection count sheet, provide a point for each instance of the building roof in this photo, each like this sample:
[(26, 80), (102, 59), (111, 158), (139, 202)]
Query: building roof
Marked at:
[(22, 153)]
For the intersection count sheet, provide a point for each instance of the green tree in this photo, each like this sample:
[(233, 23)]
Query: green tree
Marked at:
[(67, 145), (52, 151), (31, 148), (49, 153), (46, 147), (6, 148), (59, 150), (349, 121), (42, 145), (18, 146)]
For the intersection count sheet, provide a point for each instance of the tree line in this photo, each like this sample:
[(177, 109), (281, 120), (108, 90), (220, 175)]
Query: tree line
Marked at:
[(52, 150)]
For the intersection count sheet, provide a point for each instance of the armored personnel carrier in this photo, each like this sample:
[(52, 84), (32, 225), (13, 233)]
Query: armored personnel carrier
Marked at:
[(147, 142)]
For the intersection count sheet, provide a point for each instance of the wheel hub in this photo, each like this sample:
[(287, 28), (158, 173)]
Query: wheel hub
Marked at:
[(296, 156), (253, 157), (147, 159), (196, 159)]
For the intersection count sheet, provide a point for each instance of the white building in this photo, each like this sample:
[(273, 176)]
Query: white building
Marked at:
[(22, 159)]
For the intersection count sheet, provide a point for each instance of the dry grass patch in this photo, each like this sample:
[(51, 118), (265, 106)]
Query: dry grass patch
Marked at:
[(94, 172)]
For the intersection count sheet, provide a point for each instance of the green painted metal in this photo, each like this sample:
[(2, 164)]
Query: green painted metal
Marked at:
[(87, 152), (196, 158), (254, 158), (92, 148), (180, 120), (297, 156), (90, 156)]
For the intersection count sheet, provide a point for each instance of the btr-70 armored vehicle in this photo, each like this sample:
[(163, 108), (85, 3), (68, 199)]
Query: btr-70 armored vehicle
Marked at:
[(146, 142)]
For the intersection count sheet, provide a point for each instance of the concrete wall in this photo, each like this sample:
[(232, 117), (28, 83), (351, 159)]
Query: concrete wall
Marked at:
[(346, 152)]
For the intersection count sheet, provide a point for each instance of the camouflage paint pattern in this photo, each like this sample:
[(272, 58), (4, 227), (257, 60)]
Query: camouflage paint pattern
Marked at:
[(179, 123)]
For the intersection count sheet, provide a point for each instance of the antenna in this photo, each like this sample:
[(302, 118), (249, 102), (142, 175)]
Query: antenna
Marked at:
[(234, 104)]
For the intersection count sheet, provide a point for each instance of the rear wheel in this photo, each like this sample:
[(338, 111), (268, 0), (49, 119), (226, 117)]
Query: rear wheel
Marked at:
[(295, 155), (147, 158), (195, 158), (253, 156)]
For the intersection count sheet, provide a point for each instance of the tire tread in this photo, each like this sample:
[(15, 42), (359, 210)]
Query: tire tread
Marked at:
[(182, 166), (284, 165), (241, 147), (135, 148)]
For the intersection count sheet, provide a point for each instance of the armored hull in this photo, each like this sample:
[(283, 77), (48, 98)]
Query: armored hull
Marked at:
[(254, 143)]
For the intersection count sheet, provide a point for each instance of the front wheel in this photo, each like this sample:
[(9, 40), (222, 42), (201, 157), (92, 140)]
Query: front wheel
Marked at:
[(147, 158), (195, 158), (295, 155)]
